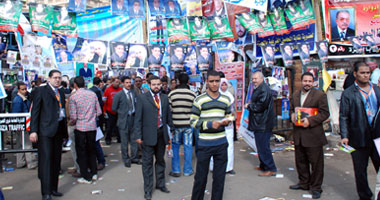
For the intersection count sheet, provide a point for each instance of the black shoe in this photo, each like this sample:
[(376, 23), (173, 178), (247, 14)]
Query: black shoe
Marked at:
[(163, 189), (46, 197), (297, 187), (231, 172), (108, 142), (56, 194), (137, 162), (174, 174), (148, 195), (127, 164), (316, 194)]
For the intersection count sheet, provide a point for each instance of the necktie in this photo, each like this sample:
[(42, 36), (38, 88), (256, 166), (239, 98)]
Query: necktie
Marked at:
[(342, 35), (157, 102), (58, 97), (132, 107)]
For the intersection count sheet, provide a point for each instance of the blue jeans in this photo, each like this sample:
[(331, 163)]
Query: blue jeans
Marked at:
[(264, 151), (187, 135), (100, 154)]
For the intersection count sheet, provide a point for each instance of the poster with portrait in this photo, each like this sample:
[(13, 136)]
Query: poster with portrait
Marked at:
[(322, 49), (177, 57), (36, 49), (268, 51), (64, 22), (40, 17), (172, 9), (67, 69), (220, 28), (295, 15), (356, 44), (287, 54), (78, 6), (178, 31), (119, 7), (190, 64), (119, 54), (136, 9), (137, 56), (370, 41), (156, 7), (62, 54), (304, 52), (266, 23), (250, 22), (307, 11), (93, 51), (278, 20), (155, 53), (191, 8), (86, 70), (29, 76), (342, 24), (199, 29), (205, 57), (260, 5), (10, 12), (278, 73), (11, 57), (285, 108), (157, 32), (3, 45)]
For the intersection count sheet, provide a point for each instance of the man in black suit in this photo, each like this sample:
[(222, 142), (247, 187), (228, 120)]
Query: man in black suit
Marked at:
[(48, 126), (151, 130), (342, 31)]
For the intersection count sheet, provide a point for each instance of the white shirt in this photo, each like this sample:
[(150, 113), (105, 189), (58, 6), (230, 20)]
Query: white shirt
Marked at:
[(303, 97)]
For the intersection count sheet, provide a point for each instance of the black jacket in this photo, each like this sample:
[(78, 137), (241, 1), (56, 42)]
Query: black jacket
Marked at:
[(261, 110), (98, 93), (353, 120)]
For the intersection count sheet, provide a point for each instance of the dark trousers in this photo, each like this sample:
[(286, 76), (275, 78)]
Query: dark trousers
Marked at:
[(111, 127), (306, 157), (86, 153), (263, 149), (147, 163), (127, 137), (100, 154), (49, 160), (360, 159), (204, 153)]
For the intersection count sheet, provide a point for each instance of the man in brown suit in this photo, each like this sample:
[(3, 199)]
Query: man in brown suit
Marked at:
[(309, 138)]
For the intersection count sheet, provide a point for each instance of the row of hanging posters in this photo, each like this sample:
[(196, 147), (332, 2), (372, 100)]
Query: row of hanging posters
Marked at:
[(360, 20)]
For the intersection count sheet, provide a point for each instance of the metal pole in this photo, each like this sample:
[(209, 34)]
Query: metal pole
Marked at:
[(23, 140)]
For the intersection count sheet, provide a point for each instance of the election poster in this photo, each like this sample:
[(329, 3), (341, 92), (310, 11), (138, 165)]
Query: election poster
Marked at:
[(250, 22), (155, 53), (40, 17), (119, 54), (157, 31), (93, 51), (119, 7), (178, 31), (10, 12), (137, 56), (64, 23), (199, 29), (260, 5), (220, 28)]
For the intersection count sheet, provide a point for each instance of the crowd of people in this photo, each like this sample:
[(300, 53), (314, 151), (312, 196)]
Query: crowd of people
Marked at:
[(147, 114)]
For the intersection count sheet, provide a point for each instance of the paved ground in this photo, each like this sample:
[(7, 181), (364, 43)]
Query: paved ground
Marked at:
[(119, 182)]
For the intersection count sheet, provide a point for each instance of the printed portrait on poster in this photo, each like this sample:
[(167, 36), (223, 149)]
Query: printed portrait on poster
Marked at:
[(287, 53), (155, 53), (137, 56), (204, 58), (268, 55), (356, 44), (304, 52), (156, 7), (119, 7), (342, 22), (119, 53), (177, 57), (322, 49)]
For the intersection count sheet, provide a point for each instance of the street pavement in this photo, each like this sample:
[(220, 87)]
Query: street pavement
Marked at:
[(118, 182)]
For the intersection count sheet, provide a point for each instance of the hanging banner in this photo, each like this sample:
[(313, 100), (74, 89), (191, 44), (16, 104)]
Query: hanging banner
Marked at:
[(64, 23), (204, 58), (78, 6), (277, 18), (10, 12), (156, 7), (220, 28), (213, 8), (37, 50), (119, 54), (100, 24), (199, 29), (93, 51), (345, 19), (287, 53), (178, 31), (265, 22), (268, 55), (177, 57), (304, 52), (172, 9), (250, 22), (190, 65), (158, 33), (136, 9), (260, 5), (322, 50), (119, 7), (137, 56), (40, 17), (62, 54), (241, 35), (155, 53)]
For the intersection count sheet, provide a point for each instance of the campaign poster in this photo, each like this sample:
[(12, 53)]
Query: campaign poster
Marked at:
[(137, 56), (304, 52), (12, 57), (172, 9), (369, 39), (295, 15), (177, 57), (10, 12), (199, 29), (64, 22), (250, 22), (119, 7), (86, 70), (156, 7), (191, 8), (287, 53), (266, 23), (268, 55), (78, 6), (178, 31), (220, 28), (136, 9), (278, 20), (190, 64), (119, 54), (157, 32), (67, 69), (93, 51), (278, 73), (356, 44), (285, 108), (155, 53), (30, 75), (344, 19), (204, 58), (62, 54), (40, 17), (36, 49), (322, 50), (246, 134), (3, 45), (260, 5)]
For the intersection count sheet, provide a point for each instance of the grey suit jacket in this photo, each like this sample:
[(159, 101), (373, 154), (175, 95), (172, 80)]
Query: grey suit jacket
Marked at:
[(120, 106), (145, 127)]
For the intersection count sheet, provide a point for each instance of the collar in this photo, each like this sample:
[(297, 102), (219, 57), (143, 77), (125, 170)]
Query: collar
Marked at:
[(22, 96), (153, 94), (340, 30), (126, 91), (53, 88), (302, 93), (358, 87)]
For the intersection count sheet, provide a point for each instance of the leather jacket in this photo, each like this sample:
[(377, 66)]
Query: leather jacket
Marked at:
[(261, 110), (353, 120)]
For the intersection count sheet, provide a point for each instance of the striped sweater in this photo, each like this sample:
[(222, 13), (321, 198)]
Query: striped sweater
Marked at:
[(181, 103), (205, 110)]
